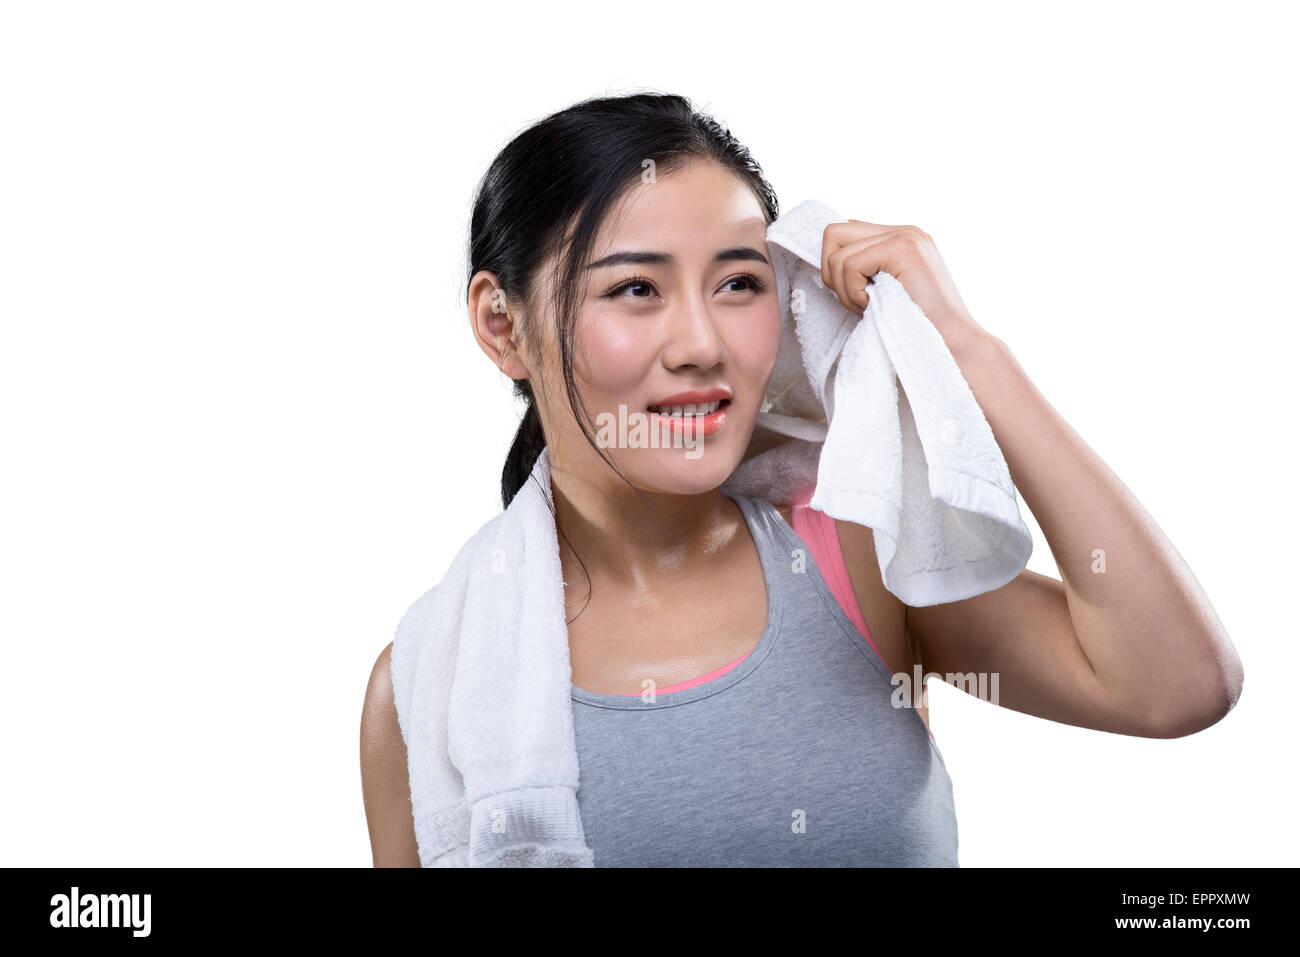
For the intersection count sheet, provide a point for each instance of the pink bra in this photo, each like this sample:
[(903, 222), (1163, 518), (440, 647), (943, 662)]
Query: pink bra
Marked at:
[(817, 529)]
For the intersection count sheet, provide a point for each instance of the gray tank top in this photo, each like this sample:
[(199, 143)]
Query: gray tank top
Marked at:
[(794, 757)]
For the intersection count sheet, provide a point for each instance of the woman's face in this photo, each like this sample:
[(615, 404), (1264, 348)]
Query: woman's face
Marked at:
[(680, 298)]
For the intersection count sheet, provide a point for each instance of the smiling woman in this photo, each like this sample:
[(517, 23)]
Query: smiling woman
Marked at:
[(636, 278), (731, 663)]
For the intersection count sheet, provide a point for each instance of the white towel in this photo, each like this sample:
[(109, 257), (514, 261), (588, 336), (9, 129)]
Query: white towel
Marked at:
[(480, 662), (481, 681), (918, 464)]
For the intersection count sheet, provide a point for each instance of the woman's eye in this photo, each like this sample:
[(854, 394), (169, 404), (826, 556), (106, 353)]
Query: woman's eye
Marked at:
[(752, 282), (643, 285)]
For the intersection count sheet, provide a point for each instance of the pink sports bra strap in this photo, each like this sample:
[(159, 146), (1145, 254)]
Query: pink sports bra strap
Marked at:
[(817, 529)]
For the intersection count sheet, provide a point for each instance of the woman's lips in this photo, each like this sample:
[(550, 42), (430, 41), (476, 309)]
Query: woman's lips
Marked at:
[(694, 425)]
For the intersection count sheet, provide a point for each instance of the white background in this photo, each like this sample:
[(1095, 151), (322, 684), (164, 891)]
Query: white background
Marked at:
[(245, 424)]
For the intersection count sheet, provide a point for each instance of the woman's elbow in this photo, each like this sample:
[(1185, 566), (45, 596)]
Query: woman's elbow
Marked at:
[(1209, 703)]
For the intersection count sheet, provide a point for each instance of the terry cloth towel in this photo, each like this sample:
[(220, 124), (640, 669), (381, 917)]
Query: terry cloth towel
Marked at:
[(480, 662), (874, 416), (481, 682)]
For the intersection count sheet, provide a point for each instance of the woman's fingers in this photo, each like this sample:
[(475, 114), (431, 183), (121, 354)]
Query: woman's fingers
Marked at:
[(854, 251), (848, 265)]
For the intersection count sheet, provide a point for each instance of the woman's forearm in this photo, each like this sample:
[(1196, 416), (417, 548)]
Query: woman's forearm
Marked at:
[(1139, 614)]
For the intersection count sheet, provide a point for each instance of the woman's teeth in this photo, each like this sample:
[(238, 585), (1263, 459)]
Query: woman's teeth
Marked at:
[(697, 408)]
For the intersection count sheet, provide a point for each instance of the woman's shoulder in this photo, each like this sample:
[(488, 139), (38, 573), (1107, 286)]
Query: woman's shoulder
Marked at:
[(385, 785), (379, 702), (381, 733)]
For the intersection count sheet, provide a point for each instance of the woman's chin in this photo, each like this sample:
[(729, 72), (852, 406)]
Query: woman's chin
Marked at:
[(688, 471)]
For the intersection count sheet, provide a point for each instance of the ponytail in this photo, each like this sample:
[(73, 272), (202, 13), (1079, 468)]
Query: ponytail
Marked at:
[(528, 444)]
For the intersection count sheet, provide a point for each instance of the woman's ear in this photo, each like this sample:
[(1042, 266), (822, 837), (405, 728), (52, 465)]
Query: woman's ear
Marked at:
[(493, 320)]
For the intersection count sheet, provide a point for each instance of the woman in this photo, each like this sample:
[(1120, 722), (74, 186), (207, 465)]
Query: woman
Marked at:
[(732, 705)]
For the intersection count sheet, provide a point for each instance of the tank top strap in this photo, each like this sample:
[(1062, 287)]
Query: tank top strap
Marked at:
[(816, 532), (771, 535)]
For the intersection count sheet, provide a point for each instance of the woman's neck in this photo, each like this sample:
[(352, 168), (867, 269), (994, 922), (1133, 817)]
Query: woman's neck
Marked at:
[(637, 539)]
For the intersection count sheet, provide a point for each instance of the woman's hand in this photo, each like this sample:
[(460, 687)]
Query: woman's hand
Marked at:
[(854, 251)]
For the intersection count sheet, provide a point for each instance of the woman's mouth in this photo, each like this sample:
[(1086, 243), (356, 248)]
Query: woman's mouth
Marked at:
[(692, 419)]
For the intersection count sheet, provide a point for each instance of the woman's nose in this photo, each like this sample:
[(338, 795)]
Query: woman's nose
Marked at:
[(692, 337)]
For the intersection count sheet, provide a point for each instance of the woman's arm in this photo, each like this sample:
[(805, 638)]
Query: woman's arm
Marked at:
[(1127, 641), (385, 786)]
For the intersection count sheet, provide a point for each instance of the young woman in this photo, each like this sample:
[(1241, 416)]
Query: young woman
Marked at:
[(618, 262)]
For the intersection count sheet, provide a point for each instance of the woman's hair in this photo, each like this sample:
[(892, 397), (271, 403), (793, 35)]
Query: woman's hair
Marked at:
[(578, 163)]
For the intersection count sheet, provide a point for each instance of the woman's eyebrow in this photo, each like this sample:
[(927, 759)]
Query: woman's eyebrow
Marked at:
[(646, 257)]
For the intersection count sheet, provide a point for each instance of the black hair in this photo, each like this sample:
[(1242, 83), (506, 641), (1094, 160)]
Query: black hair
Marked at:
[(571, 167)]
